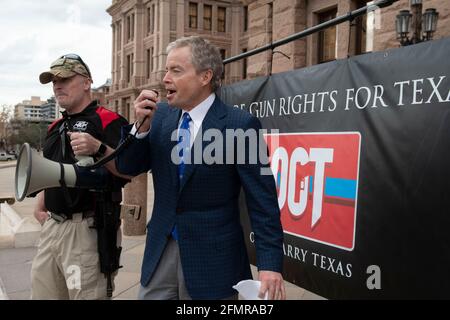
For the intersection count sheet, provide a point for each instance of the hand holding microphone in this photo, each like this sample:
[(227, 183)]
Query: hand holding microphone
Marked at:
[(145, 107)]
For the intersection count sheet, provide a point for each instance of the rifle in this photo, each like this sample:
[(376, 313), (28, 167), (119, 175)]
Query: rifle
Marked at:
[(107, 223)]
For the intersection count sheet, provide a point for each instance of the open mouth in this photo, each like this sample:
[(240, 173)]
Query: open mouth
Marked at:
[(170, 93)]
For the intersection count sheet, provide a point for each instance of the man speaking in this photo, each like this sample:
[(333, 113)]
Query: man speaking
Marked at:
[(195, 245)]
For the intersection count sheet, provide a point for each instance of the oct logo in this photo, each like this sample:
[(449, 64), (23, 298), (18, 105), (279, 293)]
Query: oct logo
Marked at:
[(317, 183)]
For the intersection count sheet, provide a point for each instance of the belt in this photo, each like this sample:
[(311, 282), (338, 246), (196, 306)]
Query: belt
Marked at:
[(61, 217)]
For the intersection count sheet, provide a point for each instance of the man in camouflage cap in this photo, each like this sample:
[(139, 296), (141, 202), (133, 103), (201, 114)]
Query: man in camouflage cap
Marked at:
[(65, 67), (67, 264), (72, 81)]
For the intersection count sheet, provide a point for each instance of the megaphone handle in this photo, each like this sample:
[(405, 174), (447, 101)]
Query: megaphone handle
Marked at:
[(84, 161), (62, 182)]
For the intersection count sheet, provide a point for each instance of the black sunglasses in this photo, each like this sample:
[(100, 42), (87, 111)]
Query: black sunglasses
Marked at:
[(73, 56)]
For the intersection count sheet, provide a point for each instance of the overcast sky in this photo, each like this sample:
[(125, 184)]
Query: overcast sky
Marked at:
[(34, 33)]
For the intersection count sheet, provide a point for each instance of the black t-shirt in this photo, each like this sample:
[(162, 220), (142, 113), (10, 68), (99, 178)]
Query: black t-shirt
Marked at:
[(100, 123)]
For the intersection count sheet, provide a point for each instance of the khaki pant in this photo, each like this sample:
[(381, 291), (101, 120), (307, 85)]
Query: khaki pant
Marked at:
[(67, 265)]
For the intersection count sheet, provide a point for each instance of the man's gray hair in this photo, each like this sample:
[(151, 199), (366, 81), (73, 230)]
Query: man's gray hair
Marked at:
[(204, 56)]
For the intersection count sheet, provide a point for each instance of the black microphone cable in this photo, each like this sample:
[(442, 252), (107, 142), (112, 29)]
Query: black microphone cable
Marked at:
[(130, 138)]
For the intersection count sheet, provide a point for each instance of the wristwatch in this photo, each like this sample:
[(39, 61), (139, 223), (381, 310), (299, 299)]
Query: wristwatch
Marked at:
[(101, 151)]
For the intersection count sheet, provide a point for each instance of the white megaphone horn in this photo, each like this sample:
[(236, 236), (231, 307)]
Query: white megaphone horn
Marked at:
[(35, 173)]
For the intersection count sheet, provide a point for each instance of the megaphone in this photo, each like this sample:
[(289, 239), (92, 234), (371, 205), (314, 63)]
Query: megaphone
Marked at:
[(35, 173)]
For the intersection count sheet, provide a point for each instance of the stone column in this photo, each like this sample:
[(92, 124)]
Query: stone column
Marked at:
[(122, 52), (180, 18), (164, 36), (269, 32), (342, 31), (200, 16), (214, 19), (139, 63), (156, 49), (134, 208), (236, 30), (288, 19), (260, 20), (134, 205), (113, 55), (117, 61)]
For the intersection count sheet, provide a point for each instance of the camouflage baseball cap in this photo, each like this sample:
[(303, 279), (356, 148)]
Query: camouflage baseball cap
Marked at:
[(65, 67)]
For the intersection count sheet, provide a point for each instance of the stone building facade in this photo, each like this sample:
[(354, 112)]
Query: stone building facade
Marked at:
[(101, 92), (141, 30)]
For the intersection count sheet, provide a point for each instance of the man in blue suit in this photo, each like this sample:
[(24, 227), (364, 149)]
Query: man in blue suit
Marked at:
[(195, 246)]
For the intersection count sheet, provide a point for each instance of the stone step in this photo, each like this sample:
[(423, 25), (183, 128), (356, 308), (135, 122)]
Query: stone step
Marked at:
[(3, 295), (15, 231)]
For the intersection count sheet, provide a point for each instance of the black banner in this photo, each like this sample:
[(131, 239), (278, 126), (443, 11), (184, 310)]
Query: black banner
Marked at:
[(362, 164)]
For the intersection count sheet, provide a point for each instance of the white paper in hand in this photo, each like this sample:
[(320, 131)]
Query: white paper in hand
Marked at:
[(249, 289)]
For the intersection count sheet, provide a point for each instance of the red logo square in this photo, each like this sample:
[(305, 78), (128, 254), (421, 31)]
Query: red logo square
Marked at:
[(317, 183)]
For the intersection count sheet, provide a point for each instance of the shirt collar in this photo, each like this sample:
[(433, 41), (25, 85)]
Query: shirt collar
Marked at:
[(199, 112), (89, 108)]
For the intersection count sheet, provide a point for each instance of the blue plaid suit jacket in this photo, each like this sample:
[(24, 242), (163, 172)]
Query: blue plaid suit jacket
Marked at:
[(205, 205)]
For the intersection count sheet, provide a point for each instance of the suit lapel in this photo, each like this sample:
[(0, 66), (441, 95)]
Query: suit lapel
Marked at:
[(212, 120), (170, 125)]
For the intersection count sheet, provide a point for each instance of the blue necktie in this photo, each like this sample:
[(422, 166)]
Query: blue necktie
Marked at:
[(184, 138)]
